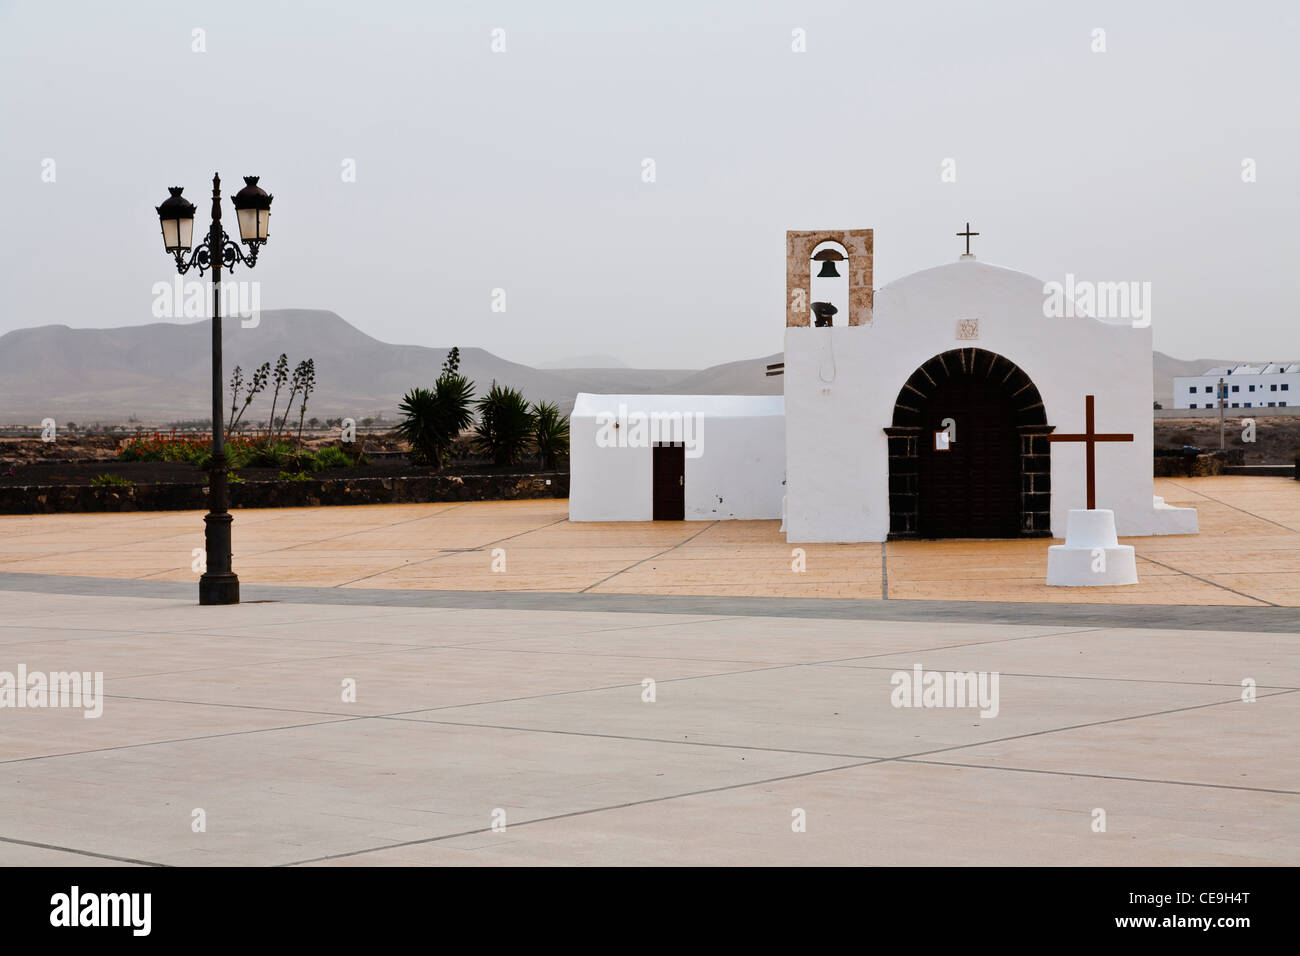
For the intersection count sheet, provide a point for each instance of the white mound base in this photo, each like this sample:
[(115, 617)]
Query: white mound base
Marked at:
[(1092, 555), (1166, 519)]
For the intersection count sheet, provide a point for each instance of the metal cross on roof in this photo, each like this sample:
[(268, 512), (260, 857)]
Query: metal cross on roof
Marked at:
[(967, 234)]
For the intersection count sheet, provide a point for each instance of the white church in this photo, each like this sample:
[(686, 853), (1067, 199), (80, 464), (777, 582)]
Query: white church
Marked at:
[(945, 404)]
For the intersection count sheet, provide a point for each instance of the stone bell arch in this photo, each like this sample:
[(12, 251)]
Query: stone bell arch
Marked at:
[(799, 245)]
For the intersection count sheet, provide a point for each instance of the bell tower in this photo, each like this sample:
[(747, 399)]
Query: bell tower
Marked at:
[(799, 246)]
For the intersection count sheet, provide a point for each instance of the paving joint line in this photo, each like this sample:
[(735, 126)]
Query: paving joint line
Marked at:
[(1212, 584), (577, 813), (181, 740), (443, 554), (1233, 507), (68, 849), (1099, 776), (634, 564), (884, 573)]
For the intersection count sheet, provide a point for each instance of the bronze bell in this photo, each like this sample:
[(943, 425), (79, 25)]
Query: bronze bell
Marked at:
[(828, 258)]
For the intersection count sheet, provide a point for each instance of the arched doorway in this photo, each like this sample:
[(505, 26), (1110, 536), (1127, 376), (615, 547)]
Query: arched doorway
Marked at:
[(968, 451)]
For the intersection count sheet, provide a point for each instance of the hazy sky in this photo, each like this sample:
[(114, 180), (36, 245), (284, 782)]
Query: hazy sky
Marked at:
[(522, 170)]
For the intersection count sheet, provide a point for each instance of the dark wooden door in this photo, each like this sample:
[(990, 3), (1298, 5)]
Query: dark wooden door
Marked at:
[(670, 482), (972, 490)]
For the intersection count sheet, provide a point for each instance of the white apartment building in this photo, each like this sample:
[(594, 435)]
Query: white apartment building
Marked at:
[(1269, 385)]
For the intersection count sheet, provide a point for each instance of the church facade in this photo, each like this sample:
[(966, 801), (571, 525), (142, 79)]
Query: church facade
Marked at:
[(947, 404)]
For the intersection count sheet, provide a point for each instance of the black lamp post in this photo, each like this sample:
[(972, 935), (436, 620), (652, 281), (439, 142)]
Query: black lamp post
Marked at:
[(219, 584)]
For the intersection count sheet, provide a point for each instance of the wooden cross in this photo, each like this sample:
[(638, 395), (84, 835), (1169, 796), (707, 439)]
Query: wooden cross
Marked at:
[(967, 234), (1091, 438)]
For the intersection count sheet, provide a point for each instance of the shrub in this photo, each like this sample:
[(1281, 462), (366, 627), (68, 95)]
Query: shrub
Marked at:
[(116, 480), (432, 418), (268, 453), (505, 425), (159, 447), (551, 434), (294, 476), (332, 456)]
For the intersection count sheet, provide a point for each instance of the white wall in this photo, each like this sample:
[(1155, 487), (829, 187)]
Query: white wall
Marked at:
[(1262, 395), (606, 484), (739, 473), (837, 456)]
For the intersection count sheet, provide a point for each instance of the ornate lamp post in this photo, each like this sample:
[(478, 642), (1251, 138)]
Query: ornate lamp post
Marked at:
[(219, 584)]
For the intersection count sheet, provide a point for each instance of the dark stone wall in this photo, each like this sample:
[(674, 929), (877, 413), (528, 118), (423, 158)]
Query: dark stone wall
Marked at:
[(57, 499), (1189, 466), (904, 480), (1035, 481)]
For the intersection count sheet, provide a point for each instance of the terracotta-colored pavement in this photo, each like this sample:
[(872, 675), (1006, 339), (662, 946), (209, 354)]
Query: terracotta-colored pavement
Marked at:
[(1248, 552)]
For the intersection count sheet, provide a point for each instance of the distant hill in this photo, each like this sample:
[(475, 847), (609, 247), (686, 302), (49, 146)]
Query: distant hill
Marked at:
[(160, 372), (585, 361)]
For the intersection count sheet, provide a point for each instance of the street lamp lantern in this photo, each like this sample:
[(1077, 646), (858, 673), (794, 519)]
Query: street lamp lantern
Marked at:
[(177, 217), (253, 206), (219, 583)]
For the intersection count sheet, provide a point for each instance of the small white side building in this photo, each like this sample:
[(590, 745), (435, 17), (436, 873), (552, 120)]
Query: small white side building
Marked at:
[(674, 457)]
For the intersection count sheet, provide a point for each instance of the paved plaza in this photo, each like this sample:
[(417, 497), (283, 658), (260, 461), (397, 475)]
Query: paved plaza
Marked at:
[(647, 694), (1247, 554)]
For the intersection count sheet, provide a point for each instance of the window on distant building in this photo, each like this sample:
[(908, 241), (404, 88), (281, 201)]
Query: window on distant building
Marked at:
[(1236, 388), (1207, 388), (1285, 387), (1192, 389), (1281, 404), (1252, 388), (1272, 404), (1248, 404), (1272, 388), (1236, 404)]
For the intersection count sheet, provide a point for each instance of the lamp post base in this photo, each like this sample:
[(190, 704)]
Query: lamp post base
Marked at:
[(218, 588)]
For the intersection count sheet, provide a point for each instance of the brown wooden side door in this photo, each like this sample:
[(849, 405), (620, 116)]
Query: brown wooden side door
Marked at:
[(669, 482)]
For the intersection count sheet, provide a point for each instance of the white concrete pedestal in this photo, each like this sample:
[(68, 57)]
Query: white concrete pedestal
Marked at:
[(1092, 555)]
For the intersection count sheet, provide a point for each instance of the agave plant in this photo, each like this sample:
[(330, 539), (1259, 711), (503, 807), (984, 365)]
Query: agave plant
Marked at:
[(432, 418), (279, 377), (255, 386), (551, 434), (505, 425)]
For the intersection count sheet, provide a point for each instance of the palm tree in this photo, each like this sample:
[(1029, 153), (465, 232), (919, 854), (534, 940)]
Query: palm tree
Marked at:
[(551, 433), (505, 425)]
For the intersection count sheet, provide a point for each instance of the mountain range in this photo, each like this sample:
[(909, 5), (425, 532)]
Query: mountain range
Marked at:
[(161, 372)]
